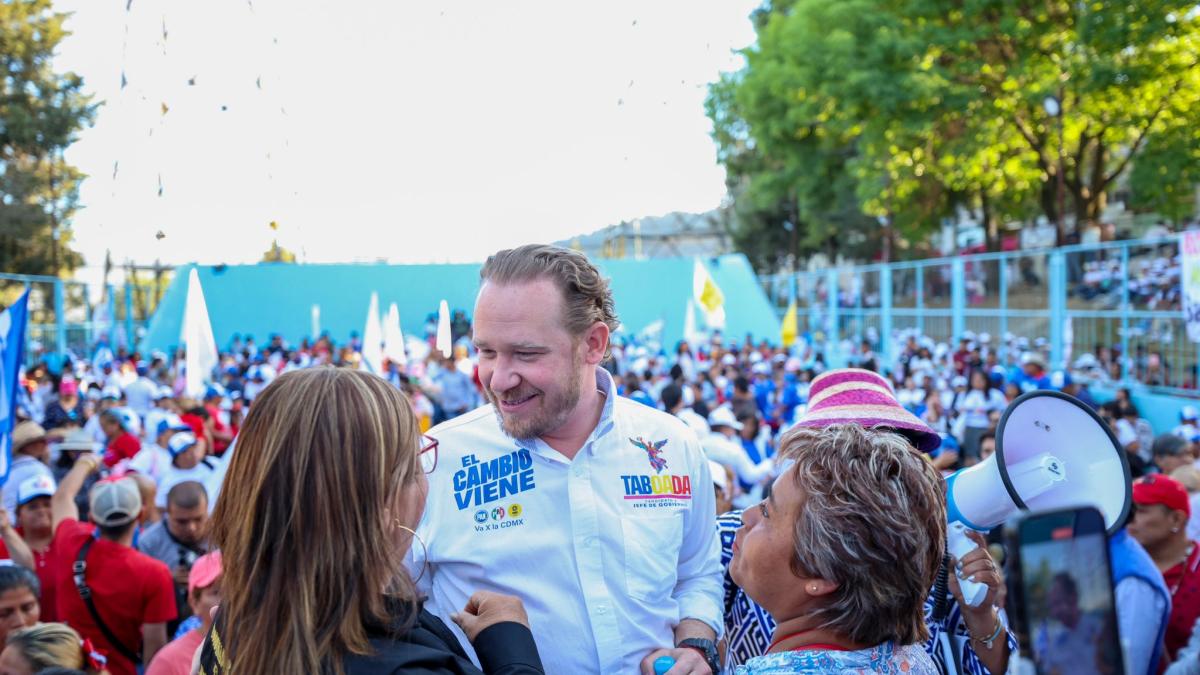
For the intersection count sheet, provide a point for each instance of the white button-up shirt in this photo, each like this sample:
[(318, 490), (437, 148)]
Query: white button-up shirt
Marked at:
[(609, 551)]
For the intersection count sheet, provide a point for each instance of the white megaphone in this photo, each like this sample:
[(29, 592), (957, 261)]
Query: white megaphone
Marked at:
[(1052, 451)]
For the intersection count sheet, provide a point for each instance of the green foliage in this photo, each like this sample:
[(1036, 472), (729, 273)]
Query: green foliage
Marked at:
[(854, 110), (40, 113)]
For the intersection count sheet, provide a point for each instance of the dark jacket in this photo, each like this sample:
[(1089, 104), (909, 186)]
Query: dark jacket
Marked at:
[(428, 648)]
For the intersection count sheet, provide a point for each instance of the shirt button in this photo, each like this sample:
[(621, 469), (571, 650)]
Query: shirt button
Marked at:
[(579, 472), (601, 609)]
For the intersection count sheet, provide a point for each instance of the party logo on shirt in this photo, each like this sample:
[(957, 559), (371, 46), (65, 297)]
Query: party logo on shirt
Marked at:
[(653, 452), (499, 518), (480, 483)]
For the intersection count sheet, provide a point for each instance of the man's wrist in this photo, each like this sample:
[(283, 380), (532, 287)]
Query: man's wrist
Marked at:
[(707, 649)]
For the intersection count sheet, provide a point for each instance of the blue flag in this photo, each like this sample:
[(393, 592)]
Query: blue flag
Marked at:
[(12, 355)]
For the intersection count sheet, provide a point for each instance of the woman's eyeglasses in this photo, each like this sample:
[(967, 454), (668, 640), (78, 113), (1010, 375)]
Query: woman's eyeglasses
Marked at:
[(428, 454)]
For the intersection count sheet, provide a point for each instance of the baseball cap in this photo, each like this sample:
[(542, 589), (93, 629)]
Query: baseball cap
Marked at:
[(32, 488), (1188, 412), (115, 502), (25, 433), (172, 423), (723, 417), (1160, 489), (163, 392), (180, 443), (205, 571), (110, 393), (719, 477)]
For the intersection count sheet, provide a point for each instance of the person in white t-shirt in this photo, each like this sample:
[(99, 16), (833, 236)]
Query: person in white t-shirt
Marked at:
[(189, 462), (722, 445)]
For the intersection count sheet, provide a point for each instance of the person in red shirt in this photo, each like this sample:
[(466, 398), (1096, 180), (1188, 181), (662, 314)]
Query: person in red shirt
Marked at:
[(131, 594), (221, 433), (35, 524), (121, 443), (1160, 526)]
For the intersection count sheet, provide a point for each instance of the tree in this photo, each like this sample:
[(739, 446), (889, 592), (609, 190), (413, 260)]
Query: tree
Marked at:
[(40, 113), (278, 254), (918, 107)]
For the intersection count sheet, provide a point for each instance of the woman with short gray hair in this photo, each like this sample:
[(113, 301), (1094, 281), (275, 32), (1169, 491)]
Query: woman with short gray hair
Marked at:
[(843, 554)]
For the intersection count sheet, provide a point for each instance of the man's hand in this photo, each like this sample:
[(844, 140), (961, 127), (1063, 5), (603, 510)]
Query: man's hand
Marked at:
[(688, 661), (486, 609), (181, 575)]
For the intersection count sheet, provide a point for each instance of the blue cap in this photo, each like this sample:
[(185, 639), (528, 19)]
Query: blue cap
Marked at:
[(172, 423), (1060, 379)]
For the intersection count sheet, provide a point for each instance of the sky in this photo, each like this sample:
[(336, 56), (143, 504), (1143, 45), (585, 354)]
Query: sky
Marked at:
[(402, 131)]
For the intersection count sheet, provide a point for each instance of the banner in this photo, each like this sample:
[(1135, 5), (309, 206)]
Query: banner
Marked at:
[(1190, 246), (372, 340), (201, 349), (12, 353)]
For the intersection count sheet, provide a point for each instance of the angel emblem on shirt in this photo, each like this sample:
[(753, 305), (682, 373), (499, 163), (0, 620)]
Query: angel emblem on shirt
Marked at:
[(653, 452)]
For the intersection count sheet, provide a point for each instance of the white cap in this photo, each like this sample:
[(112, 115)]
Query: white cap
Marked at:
[(723, 417), (719, 477)]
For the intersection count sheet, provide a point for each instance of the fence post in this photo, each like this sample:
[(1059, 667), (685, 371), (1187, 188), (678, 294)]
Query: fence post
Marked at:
[(1003, 281), (1058, 297), (831, 332), (958, 299), (60, 319), (130, 338), (814, 311), (1124, 360), (920, 299), (885, 314)]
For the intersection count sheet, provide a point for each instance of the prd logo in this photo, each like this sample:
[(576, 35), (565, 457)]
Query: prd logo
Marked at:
[(481, 516), (514, 511), (498, 513)]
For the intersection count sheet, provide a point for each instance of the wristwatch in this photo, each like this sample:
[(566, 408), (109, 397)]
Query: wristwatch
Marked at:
[(706, 647)]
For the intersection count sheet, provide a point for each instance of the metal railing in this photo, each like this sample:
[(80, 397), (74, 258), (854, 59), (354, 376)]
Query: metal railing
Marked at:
[(1122, 295), (63, 318)]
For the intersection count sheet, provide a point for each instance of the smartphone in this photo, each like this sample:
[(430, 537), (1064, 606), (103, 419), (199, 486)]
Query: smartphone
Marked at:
[(1060, 592)]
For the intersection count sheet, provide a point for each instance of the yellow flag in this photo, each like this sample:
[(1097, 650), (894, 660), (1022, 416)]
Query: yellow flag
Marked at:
[(708, 295), (789, 328)]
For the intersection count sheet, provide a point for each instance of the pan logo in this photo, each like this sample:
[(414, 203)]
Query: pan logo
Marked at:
[(481, 516)]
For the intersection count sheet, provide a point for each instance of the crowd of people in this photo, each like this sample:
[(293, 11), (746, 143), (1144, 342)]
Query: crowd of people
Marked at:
[(553, 496)]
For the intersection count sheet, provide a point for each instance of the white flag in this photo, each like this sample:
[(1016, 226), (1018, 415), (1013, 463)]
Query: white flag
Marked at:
[(443, 332), (198, 340), (393, 337), (316, 322), (372, 341)]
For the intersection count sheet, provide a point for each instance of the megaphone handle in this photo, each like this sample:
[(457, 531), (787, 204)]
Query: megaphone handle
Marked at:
[(973, 592)]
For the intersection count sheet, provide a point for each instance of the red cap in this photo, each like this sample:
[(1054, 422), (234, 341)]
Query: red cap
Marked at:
[(1160, 489)]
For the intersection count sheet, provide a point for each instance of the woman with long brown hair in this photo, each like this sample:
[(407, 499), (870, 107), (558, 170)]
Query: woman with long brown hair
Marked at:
[(313, 522)]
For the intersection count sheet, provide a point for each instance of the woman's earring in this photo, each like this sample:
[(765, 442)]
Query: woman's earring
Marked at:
[(424, 551)]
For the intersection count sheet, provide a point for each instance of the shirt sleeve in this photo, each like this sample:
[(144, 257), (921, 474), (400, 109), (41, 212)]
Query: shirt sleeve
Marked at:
[(160, 595), (1137, 604), (698, 588)]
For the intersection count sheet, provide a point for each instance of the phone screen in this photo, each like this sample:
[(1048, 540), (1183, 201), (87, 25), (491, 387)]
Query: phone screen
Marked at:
[(1067, 593)]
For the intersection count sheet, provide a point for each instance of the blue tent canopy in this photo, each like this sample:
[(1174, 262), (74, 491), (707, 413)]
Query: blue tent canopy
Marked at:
[(267, 298)]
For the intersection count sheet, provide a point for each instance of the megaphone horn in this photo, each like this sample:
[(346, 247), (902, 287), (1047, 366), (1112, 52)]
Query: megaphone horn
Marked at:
[(1052, 451)]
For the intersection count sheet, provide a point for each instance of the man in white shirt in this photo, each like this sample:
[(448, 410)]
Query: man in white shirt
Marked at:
[(190, 462), (597, 511)]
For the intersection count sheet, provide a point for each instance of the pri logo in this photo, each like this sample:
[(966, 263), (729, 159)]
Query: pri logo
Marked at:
[(481, 516), (653, 452), (498, 513)]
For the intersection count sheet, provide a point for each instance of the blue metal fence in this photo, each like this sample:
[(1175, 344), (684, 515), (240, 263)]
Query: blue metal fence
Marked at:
[(1121, 295), (64, 319)]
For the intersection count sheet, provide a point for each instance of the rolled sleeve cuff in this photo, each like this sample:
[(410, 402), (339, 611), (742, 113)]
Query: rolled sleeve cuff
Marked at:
[(704, 609)]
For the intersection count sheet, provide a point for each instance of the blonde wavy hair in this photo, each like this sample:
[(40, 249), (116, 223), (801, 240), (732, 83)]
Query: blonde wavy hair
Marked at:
[(48, 645)]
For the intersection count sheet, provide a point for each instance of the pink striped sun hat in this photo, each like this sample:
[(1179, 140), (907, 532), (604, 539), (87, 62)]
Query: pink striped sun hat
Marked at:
[(856, 396)]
